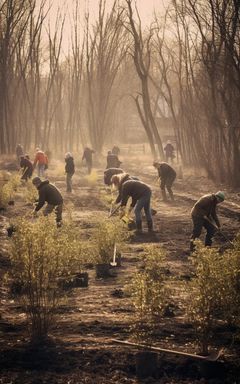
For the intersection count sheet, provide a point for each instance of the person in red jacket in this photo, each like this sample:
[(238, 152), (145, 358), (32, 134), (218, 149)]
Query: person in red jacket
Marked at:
[(41, 162)]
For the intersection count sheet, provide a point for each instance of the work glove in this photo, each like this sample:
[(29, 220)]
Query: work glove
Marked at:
[(121, 212)]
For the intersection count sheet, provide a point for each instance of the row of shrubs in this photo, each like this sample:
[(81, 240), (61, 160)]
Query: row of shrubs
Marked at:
[(212, 294), (42, 255)]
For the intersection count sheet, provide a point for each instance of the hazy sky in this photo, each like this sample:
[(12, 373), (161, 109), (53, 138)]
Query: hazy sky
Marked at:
[(145, 8)]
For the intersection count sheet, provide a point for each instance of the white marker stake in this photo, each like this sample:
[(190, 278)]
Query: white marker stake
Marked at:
[(114, 256)]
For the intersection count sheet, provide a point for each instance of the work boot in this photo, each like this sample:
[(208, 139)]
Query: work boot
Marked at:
[(138, 227), (150, 225)]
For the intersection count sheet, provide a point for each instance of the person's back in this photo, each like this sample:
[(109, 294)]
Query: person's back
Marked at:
[(165, 170), (108, 173), (205, 206), (69, 166), (112, 161), (115, 150), (50, 193), (134, 189)]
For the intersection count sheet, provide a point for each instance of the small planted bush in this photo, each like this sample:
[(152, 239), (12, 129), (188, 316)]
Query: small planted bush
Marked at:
[(41, 255), (106, 235), (148, 289), (8, 190), (214, 292), (31, 193)]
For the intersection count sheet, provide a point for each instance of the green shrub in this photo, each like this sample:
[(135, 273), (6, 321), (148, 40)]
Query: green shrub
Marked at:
[(31, 194), (41, 255), (148, 289), (106, 234), (214, 291), (8, 189)]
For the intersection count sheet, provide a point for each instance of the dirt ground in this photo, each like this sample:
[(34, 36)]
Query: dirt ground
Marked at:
[(82, 350)]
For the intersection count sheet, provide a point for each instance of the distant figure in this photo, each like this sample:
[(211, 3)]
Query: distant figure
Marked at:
[(87, 155), (112, 160), (167, 176), (116, 150), (108, 173), (203, 214), (27, 167), (169, 151), (69, 170), (49, 194), (19, 152), (41, 162)]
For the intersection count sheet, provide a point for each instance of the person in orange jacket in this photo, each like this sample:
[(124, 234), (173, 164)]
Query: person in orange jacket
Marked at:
[(41, 162)]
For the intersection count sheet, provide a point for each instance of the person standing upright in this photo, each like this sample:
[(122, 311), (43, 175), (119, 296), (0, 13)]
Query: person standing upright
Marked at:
[(41, 162), (69, 170), (19, 152), (87, 155), (169, 151)]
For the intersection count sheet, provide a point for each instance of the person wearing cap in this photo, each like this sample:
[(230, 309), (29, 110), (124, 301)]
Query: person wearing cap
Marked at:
[(167, 175), (204, 215), (51, 195), (41, 162), (169, 151), (69, 170)]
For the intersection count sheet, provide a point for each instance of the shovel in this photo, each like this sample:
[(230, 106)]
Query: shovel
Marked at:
[(219, 231), (113, 263), (112, 212)]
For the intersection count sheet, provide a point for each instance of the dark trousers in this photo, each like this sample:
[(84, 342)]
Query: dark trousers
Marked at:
[(198, 224), (167, 182)]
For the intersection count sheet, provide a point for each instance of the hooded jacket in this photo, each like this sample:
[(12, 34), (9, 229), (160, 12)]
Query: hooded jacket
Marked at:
[(69, 166), (48, 193)]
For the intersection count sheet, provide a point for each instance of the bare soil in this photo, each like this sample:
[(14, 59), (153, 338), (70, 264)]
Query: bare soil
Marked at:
[(81, 349)]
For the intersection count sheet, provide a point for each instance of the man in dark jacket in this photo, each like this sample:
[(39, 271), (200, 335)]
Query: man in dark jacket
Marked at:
[(203, 214), (167, 176), (69, 170), (112, 160), (87, 155), (169, 151), (108, 173), (49, 194), (141, 197), (27, 166)]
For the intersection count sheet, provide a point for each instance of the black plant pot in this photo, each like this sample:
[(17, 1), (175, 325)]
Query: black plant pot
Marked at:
[(102, 270)]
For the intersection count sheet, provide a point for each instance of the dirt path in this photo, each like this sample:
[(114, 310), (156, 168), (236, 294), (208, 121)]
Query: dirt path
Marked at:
[(92, 316)]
